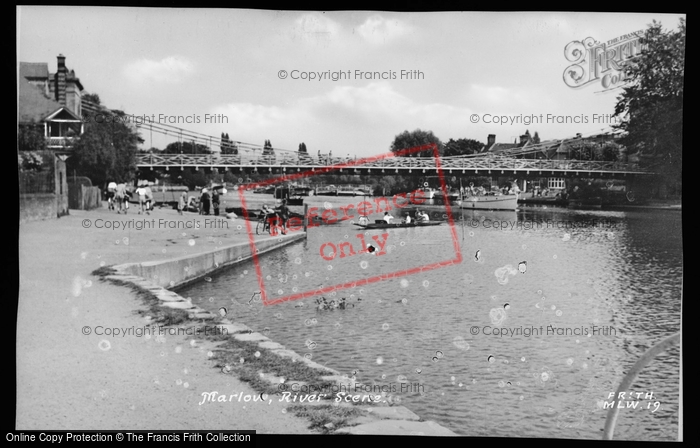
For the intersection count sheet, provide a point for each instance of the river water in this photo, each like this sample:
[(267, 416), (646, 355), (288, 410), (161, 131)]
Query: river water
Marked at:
[(527, 336)]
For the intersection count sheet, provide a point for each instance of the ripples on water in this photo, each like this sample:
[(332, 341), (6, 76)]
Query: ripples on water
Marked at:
[(416, 330)]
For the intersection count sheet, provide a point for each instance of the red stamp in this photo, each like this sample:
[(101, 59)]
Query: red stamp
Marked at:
[(375, 244)]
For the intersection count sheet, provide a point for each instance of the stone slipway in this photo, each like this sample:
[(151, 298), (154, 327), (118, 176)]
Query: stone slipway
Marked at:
[(186, 269), (156, 276)]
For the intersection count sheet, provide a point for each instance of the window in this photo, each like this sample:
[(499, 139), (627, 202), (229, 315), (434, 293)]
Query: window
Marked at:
[(556, 182)]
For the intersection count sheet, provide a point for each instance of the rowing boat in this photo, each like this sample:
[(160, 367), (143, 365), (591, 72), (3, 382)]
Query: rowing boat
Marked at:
[(398, 225)]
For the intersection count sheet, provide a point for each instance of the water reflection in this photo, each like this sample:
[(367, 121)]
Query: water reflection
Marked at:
[(599, 289)]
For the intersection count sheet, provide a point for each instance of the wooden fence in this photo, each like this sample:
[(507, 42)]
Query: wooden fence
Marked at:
[(81, 197)]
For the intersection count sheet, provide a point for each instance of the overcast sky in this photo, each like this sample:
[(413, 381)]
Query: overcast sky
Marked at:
[(193, 62)]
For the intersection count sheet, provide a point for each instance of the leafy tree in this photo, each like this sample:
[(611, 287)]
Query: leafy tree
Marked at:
[(106, 151), (92, 97), (536, 138), (462, 146), (302, 148), (267, 149), (651, 106), (186, 148), (408, 140), (194, 179), (31, 138), (588, 150), (33, 160), (227, 146)]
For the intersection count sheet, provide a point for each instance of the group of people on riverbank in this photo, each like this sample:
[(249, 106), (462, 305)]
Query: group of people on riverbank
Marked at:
[(119, 196), (207, 201)]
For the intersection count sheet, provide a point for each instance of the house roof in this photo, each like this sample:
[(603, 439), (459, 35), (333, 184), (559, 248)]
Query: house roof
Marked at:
[(33, 105), (498, 147), (34, 70)]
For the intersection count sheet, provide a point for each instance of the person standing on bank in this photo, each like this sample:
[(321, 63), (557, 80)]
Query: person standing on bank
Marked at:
[(283, 214), (205, 201), (215, 201), (182, 203)]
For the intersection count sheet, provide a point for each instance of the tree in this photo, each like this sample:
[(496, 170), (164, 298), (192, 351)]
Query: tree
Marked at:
[(588, 150), (462, 147), (536, 138), (106, 151), (267, 149), (651, 106), (186, 148), (92, 98), (408, 140), (30, 137), (302, 148), (227, 146)]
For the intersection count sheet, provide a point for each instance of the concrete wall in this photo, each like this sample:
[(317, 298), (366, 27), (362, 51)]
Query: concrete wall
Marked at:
[(37, 207), (162, 273)]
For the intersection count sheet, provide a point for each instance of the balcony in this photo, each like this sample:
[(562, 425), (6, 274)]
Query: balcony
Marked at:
[(60, 142)]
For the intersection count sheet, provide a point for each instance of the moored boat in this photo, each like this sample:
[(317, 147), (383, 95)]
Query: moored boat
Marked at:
[(329, 190), (491, 202)]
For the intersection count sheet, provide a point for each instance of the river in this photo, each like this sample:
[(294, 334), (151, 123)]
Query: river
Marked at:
[(527, 336)]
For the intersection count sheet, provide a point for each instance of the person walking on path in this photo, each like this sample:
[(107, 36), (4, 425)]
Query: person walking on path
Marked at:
[(149, 199), (122, 199), (111, 191), (141, 192)]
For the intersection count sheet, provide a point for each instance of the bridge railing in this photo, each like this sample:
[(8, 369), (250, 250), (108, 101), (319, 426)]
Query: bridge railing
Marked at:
[(250, 158)]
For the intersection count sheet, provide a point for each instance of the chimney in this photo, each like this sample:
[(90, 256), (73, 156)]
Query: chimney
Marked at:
[(491, 140), (61, 80)]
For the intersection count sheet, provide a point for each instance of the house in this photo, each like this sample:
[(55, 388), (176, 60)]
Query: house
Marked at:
[(498, 148), (529, 147), (52, 102), (52, 105)]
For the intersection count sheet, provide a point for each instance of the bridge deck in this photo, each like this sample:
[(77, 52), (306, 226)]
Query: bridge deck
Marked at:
[(401, 165)]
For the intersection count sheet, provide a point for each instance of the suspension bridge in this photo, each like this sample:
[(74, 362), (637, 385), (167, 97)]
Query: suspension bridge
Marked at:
[(240, 157)]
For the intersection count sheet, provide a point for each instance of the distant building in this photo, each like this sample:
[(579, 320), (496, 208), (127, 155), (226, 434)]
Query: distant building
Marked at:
[(51, 101), (529, 148), (497, 148)]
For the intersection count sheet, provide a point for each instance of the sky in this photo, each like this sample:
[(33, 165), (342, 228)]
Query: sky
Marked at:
[(465, 75)]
